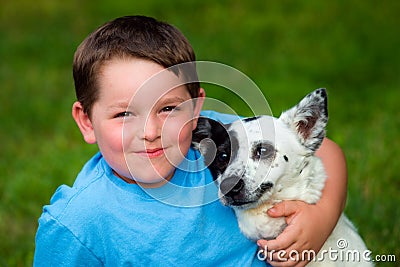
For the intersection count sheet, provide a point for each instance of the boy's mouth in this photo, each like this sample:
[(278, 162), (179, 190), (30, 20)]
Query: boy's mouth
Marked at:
[(152, 153)]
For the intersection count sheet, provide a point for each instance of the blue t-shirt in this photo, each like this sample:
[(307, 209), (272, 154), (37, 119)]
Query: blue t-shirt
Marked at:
[(103, 221)]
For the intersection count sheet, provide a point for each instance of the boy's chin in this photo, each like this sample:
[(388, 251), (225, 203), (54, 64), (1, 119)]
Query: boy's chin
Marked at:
[(151, 181), (145, 182)]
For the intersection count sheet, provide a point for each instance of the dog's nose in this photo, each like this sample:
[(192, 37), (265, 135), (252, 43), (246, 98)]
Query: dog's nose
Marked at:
[(232, 186)]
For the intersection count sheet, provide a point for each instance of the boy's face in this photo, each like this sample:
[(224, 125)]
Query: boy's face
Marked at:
[(142, 126)]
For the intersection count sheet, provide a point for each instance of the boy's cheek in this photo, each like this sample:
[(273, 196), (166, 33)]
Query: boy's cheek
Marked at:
[(179, 135), (178, 125), (185, 133), (111, 137)]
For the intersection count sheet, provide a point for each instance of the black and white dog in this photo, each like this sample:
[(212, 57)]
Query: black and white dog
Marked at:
[(260, 161)]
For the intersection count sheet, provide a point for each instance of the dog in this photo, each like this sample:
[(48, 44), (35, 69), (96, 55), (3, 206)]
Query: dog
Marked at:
[(260, 161)]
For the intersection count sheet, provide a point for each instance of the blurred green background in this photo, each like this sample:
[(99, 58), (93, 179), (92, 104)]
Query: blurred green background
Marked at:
[(287, 48)]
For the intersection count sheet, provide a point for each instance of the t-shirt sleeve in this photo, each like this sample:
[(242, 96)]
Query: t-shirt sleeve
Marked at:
[(56, 245), (221, 117)]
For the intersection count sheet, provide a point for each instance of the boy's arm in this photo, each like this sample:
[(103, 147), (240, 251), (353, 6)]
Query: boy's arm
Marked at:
[(309, 225)]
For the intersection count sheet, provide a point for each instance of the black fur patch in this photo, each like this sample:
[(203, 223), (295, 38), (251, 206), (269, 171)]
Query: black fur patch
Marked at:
[(250, 119), (324, 95), (216, 131)]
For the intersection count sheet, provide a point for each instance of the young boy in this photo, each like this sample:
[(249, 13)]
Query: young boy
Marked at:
[(145, 198)]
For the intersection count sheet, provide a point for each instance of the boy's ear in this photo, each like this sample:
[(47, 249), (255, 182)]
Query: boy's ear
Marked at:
[(198, 106), (83, 121)]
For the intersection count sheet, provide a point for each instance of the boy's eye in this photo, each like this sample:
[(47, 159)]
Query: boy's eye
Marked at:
[(169, 108), (123, 114)]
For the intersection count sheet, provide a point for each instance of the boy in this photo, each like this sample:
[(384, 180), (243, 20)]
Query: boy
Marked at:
[(143, 199)]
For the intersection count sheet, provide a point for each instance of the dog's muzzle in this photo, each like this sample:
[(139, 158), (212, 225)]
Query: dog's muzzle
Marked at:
[(234, 193), (233, 190)]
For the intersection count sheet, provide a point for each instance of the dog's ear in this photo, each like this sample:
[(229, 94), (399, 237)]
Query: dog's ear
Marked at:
[(309, 118)]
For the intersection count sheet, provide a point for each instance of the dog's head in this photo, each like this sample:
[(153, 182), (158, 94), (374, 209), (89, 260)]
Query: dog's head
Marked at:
[(253, 158)]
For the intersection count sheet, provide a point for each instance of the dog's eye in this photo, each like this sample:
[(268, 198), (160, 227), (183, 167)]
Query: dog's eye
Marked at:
[(264, 151), (222, 157), (261, 151)]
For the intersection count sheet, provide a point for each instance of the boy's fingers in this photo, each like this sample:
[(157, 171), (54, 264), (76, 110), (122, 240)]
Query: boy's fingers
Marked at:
[(282, 242), (285, 240), (287, 257), (283, 209), (262, 243)]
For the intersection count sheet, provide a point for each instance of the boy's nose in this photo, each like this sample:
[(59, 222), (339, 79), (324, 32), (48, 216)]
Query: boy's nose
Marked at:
[(151, 129)]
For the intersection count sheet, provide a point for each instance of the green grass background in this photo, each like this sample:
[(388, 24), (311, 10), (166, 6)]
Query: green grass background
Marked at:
[(287, 48)]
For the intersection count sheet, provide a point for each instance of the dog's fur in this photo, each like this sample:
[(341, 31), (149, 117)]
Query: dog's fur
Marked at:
[(260, 161)]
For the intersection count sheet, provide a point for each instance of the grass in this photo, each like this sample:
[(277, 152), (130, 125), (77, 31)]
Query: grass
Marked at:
[(287, 48)]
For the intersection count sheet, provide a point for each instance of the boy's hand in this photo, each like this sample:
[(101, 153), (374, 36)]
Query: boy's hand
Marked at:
[(308, 228)]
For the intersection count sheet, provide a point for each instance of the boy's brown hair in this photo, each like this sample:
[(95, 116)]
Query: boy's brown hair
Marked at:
[(125, 37)]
